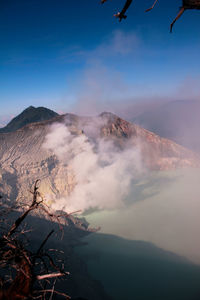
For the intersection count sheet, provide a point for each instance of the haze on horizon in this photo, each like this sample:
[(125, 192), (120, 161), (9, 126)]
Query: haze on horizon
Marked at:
[(75, 57)]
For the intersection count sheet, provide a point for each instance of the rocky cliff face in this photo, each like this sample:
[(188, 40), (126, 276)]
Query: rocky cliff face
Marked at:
[(157, 153), (23, 159)]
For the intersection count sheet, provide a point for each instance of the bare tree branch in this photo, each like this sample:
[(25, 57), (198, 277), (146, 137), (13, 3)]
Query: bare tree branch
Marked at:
[(19, 283), (33, 206), (186, 4), (52, 275), (44, 242)]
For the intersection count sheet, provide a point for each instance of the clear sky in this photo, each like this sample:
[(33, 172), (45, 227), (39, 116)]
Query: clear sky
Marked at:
[(73, 56)]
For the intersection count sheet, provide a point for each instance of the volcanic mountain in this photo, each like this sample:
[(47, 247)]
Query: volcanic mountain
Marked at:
[(29, 115), (23, 157)]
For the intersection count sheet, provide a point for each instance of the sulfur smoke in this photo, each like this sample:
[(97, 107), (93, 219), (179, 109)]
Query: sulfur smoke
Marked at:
[(103, 173)]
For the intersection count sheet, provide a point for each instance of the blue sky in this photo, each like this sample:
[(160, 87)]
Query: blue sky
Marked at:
[(73, 56)]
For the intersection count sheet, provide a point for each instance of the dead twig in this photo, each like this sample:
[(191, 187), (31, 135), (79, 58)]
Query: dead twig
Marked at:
[(33, 206), (52, 275), (14, 256), (186, 4)]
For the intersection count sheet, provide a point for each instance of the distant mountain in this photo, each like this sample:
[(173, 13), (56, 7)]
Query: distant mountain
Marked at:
[(176, 120), (29, 115), (23, 159)]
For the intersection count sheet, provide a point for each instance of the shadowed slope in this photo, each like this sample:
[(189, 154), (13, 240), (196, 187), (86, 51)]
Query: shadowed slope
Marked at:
[(29, 115), (139, 270)]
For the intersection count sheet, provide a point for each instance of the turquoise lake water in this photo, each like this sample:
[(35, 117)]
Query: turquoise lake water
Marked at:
[(150, 248)]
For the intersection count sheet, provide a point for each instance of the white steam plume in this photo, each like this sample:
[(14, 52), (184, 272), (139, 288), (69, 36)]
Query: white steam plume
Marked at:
[(103, 172)]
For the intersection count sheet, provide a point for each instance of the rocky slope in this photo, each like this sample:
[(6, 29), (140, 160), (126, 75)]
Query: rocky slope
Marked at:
[(23, 159), (157, 153)]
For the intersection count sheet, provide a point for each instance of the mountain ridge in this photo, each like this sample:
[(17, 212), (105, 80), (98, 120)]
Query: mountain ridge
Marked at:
[(23, 158), (30, 115)]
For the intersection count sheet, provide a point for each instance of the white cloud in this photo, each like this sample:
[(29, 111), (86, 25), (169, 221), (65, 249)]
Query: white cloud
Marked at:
[(117, 44), (120, 43)]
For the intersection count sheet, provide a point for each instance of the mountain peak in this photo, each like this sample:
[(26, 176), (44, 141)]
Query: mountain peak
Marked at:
[(30, 108), (30, 115), (106, 114)]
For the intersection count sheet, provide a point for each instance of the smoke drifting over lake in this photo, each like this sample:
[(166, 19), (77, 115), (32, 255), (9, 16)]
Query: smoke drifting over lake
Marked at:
[(158, 207)]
